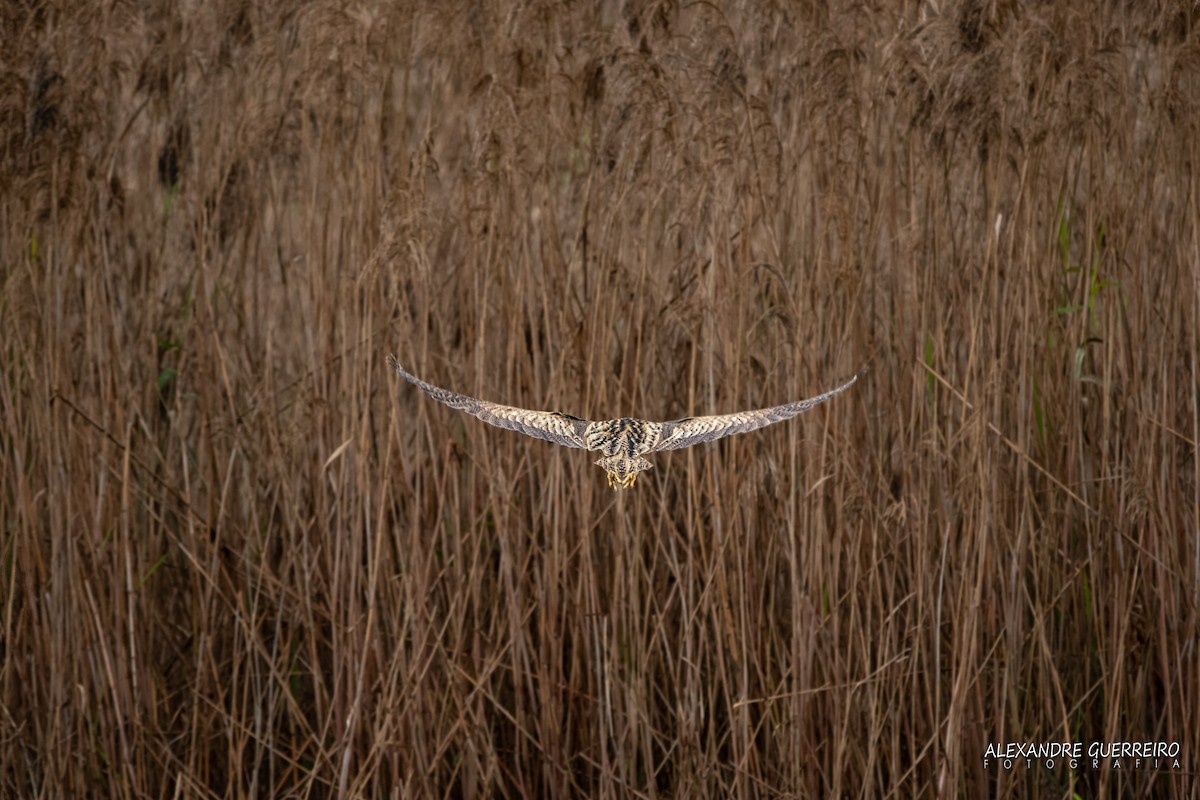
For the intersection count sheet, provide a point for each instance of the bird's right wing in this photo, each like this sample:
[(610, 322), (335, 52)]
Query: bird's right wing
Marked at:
[(549, 425)]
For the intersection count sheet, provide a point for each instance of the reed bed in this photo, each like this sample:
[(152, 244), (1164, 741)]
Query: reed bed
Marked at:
[(240, 559)]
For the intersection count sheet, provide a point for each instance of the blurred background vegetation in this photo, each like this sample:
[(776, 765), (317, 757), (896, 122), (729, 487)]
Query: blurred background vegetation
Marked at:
[(241, 560)]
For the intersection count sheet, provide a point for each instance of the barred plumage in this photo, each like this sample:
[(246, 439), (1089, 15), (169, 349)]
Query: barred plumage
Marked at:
[(622, 441)]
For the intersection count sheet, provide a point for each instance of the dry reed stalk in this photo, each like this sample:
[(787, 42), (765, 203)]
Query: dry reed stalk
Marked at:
[(240, 560)]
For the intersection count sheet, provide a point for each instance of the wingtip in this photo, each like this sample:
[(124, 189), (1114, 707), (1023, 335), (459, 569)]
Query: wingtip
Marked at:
[(394, 363)]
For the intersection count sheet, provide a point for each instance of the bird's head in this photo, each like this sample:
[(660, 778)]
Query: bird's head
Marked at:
[(622, 471)]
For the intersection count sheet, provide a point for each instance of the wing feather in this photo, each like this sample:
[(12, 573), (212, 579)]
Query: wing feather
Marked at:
[(694, 430), (549, 425)]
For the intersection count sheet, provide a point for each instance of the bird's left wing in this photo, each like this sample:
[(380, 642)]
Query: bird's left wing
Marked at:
[(694, 430), (549, 425)]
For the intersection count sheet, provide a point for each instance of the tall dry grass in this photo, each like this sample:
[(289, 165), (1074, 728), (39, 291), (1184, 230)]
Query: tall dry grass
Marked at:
[(240, 560)]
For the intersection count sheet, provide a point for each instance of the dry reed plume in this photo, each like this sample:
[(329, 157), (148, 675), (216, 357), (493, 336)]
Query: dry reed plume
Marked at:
[(240, 559)]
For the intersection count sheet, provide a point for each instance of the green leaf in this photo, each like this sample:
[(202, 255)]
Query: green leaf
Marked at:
[(1064, 235), (164, 378), (169, 200), (1064, 310), (153, 568)]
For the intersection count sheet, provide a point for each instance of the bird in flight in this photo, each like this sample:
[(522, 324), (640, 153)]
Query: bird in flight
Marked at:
[(622, 442)]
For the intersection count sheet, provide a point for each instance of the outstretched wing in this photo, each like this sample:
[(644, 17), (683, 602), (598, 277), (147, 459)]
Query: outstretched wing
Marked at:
[(549, 425), (694, 430)]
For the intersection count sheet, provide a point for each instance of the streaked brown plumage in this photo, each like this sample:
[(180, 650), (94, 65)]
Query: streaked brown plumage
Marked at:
[(622, 442)]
